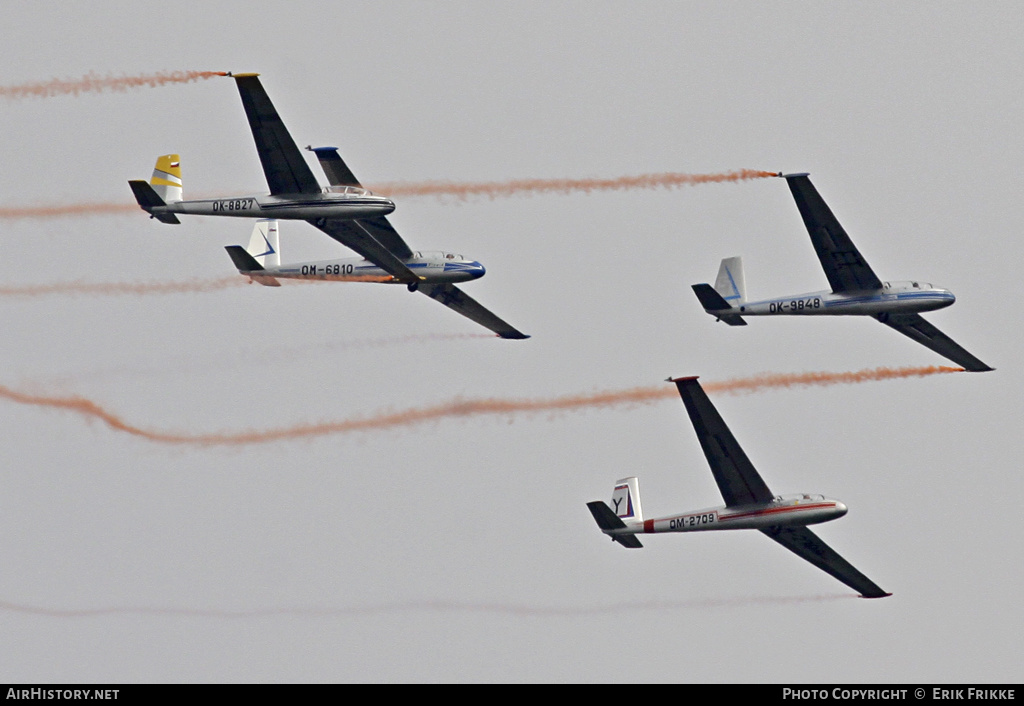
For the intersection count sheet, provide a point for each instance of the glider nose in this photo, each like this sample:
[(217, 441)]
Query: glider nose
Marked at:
[(476, 270), (841, 509)]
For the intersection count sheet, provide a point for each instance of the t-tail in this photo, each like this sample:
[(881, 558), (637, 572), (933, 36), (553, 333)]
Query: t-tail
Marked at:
[(264, 251), (625, 513), (163, 188), (264, 245), (729, 292)]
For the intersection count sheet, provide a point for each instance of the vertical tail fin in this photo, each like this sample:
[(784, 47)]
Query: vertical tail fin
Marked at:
[(730, 283), (624, 518), (264, 244), (626, 501), (166, 181)]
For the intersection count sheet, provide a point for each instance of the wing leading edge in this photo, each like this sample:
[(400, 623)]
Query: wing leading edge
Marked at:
[(844, 266), (741, 484), (806, 545), (283, 164), (735, 475), (378, 241), (362, 236), (916, 327), (381, 230), (457, 300), (373, 238)]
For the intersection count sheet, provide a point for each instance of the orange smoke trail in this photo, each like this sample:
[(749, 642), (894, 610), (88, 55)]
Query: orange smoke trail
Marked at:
[(465, 408), (766, 381), (188, 286), (92, 83), (459, 190), (124, 288), (71, 209), (497, 189)]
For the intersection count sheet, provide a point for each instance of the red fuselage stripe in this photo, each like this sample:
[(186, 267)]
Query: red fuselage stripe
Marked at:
[(775, 510)]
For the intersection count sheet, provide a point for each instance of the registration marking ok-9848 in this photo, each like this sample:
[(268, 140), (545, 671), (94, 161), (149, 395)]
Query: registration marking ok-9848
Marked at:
[(794, 305)]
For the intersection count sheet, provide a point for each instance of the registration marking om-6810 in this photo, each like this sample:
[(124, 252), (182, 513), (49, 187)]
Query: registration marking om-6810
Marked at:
[(343, 269), (792, 305), (704, 518), (233, 205)]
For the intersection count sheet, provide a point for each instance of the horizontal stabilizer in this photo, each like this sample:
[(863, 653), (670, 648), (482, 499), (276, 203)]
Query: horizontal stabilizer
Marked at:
[(709, 298), (148, 199), (714, 304), (243, 260), (247, 265), (607, 520), (732, 319)]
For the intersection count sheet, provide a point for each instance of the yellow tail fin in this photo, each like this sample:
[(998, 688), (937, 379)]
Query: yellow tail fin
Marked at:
[(166, 179)]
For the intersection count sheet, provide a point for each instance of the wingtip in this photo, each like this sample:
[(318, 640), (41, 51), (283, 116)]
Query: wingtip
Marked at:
[(682, 379), (884, 595)]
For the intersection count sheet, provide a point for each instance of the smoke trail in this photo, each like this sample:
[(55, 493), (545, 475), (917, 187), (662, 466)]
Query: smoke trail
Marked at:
[(194, 285), (458, 190), (93, 83), (497, 189), (108, 289), (71, 209), (464, 408), (782, 380), (426, 607)]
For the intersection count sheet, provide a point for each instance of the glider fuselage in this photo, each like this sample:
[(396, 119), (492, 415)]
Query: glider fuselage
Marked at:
[(894, 297), (302, 207), (803, 509), (431, 267)]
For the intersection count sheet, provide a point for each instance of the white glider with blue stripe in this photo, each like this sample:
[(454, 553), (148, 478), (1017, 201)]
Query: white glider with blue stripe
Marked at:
[(856, 290)]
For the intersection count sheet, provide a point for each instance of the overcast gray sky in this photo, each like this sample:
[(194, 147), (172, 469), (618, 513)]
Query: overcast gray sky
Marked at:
[(462, 549)]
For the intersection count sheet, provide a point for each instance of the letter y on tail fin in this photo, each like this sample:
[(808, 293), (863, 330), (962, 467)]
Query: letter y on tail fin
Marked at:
[(625, 508), (626, 500)]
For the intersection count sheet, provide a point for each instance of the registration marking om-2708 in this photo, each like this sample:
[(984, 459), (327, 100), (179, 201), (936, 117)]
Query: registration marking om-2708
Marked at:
[(794, 305), (233, 205)]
